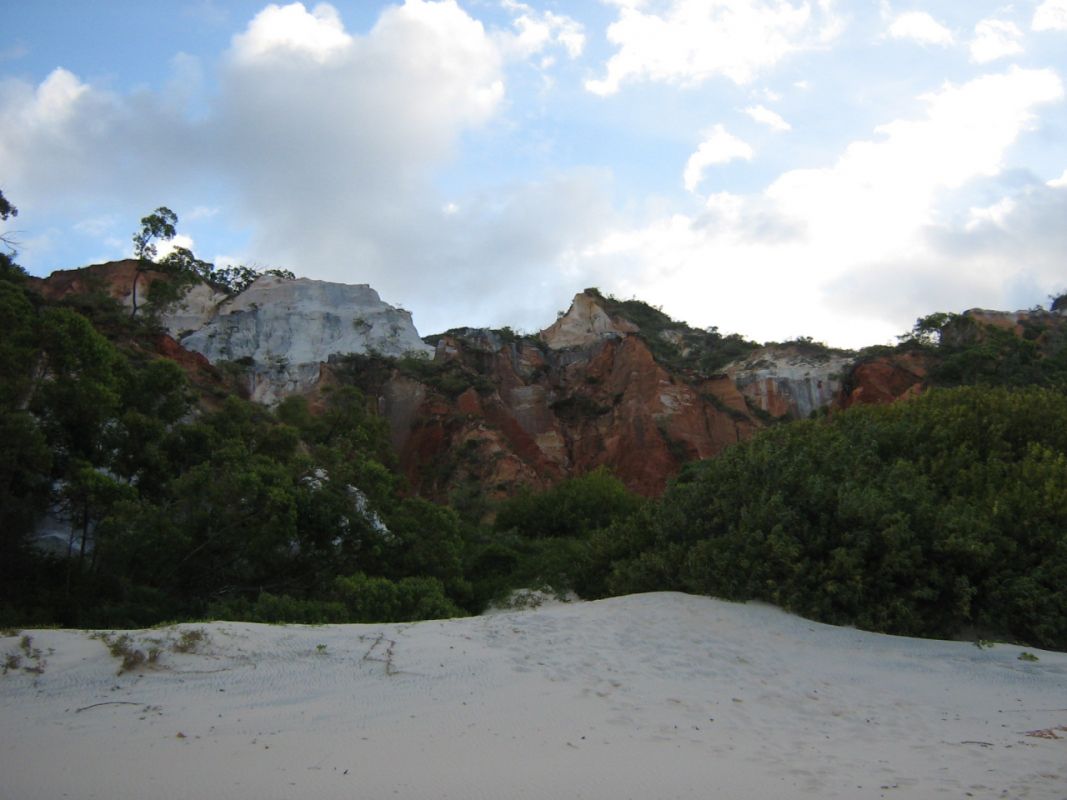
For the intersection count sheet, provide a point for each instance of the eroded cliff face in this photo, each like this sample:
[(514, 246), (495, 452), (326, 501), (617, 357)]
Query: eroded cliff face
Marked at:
[(489, 412), (1035, 324), (790, 381), (585, 323), (118, 279), (283, 331), (884, 379), (540, 413), (587, 392)]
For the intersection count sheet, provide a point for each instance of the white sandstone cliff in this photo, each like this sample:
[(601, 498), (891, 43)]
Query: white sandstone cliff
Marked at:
[(286, 329), (785, 380)]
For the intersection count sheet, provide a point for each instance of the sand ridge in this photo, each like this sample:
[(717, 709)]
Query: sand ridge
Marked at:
[(649, 696)]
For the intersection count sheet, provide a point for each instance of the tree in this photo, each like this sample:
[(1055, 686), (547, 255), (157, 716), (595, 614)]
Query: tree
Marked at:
[(181, 260), (159, 225), (7, 211)]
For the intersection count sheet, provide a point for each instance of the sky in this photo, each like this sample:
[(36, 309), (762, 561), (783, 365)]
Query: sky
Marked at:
[(774, 168)]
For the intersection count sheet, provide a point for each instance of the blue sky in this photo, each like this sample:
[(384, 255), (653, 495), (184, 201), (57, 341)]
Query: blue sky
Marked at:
[(770, 167)]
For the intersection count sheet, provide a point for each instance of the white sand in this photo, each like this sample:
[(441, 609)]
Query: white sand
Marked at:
[(650, 696)]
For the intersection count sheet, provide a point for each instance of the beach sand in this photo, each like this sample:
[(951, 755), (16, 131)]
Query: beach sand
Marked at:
[(649, 696)]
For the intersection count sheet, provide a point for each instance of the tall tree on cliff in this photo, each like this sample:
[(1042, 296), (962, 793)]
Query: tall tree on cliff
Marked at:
[(6, 212), (159, 225)]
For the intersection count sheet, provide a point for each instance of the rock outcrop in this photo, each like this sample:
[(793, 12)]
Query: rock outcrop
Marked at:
[(585, 323), (1035, 324), (281, 331), (791, 380), (285, 330), (118, 279), (884, 379), (532, 414)]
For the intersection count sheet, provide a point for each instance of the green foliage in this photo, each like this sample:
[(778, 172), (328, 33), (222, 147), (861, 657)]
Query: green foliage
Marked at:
[(159, 225), (18, 347), (918, 518), (928, 517), (181, 261), (675, 344), (353, 598), (573, 508), (272, 608), (375, 599), (928, 330), (449, 377), (172, 512), (965, 351), (132, 657), (6, 209), (235, 279)]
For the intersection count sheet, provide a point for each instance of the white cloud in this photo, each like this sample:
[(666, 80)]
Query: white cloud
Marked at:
[(325, 147), (769, 118), (695, 40), (1051, 15), (167, 246), (285, 31), (718, 147), (51, 135), (854, 238), (995, 38), (54, 101), (918, 26), (994, 214), (536, 31), (335, 153)]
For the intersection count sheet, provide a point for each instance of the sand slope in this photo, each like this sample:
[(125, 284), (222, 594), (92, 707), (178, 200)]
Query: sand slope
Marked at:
[(647, 696)]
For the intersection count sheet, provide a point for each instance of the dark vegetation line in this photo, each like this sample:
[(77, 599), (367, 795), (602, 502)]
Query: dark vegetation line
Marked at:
[(941, 516)]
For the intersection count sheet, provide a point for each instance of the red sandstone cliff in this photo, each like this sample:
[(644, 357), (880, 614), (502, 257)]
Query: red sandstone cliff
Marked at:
[(536, 415), (884, 379)]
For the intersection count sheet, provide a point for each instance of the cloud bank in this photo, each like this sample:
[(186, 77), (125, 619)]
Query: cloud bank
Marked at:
[(818, 202)]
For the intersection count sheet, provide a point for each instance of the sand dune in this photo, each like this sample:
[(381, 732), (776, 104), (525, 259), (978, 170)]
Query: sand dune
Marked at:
[(647, 696)]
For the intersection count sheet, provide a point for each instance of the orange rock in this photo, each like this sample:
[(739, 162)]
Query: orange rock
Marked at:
[(885, 379)]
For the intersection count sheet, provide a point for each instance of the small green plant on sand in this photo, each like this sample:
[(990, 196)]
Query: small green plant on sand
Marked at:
[(123, 648), (29, 653), (190, 641)]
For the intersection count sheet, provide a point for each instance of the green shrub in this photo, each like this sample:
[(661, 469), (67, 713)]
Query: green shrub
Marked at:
[(926, 517), (371, 599)]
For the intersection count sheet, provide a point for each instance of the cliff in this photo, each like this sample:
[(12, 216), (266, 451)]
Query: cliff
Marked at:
[(502, 413), (884, 379), (480, 413), (791, 380), (284, 330)]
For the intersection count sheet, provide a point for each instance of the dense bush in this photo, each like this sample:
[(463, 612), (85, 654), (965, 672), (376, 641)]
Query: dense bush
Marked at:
[(574, 508), (356, 598), (928, 517)]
